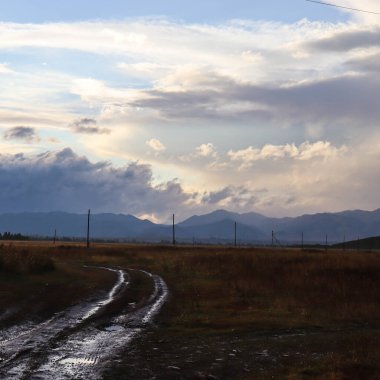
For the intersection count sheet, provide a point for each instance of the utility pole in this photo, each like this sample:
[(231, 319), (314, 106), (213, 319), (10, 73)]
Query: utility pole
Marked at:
[(302, 240), (88, 228), (235, 236), (272, 238), (55, 236), (173, 230), (326, 243)]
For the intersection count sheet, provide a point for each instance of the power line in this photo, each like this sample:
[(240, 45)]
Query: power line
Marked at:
[(343, 7)]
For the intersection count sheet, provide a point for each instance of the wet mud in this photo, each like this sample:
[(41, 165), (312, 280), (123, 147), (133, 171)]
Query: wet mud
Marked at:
[(82, 341)]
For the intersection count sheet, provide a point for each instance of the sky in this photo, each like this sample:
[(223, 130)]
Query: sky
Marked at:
[(160, 107)]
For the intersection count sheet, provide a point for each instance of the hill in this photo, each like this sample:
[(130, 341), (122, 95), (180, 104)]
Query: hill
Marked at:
[(215, 227)]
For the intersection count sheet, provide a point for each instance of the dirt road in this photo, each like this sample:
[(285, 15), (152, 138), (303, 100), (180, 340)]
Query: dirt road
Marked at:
[(82, 341)]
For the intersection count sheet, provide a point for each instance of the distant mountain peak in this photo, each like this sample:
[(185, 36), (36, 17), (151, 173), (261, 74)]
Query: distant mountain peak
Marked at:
[(212, 227)]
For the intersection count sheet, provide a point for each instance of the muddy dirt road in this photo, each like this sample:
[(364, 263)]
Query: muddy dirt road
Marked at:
[(84, 340)]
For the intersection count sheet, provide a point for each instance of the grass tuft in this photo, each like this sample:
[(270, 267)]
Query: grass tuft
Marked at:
[(24, 261)]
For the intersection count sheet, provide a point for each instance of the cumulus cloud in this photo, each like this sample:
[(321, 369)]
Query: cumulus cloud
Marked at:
[(205, 156), (27, 134), (62, 180), (65, 181), (229, 86), (88, 126), (305, 151), (206, 150), (156, 145)]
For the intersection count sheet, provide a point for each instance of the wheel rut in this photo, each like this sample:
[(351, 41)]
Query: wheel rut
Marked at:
[(80, 342)]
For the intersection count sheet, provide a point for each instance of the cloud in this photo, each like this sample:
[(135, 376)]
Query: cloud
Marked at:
[(27, 134), (321, 149), (238, 198), (231, 73), (156, 145), (366, 5), (305, 151), (88, 126), (319, 177), (4, 69), (153, 48), (348, 99), (205, 156), (368, 63), (342, 41), (255, 90), (62, 180), (206, 150)]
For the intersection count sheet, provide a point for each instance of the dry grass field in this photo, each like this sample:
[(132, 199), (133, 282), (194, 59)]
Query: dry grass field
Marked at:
[(233, 313)]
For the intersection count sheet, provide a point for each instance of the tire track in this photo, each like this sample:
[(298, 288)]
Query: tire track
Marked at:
[(19, 344), (88, 352), (72, 344)]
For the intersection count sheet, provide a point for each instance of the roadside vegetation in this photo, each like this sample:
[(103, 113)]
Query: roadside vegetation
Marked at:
[(34, 284), (16, 260), (293, 314)]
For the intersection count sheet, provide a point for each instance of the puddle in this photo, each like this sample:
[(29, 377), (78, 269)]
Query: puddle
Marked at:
[(111, 295), (155, 308), (79, 361), (83, 353), (104, 344), (115, 328)]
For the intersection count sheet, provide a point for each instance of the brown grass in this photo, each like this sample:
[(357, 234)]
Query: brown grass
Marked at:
[(35, 284), (262, 288), (216, 287), (16, 260), (236, 292)]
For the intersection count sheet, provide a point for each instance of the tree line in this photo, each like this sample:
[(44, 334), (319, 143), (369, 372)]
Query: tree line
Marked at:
[(11, 236)]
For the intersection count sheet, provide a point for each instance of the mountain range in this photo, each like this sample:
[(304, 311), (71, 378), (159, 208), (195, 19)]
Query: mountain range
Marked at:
[(215, 227)]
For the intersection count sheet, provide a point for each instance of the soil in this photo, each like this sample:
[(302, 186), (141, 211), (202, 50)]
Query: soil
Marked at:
[(83, 340), (304, 354)]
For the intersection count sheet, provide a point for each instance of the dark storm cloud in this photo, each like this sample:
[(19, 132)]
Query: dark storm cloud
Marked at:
[(20, 133), (344, 41), (65, 181), (89, 126)]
